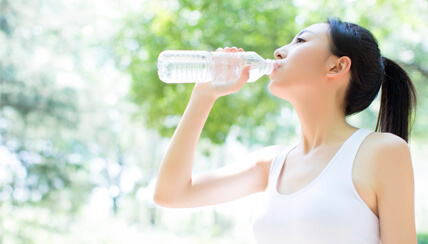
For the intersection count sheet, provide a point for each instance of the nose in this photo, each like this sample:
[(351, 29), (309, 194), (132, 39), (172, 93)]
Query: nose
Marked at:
[(280, 53)]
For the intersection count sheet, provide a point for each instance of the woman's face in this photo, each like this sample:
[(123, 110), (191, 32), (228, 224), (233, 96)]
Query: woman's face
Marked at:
[(303, 64)]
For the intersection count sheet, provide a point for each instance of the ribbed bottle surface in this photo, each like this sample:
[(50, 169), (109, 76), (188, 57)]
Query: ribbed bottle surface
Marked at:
[(184, 66), (181, 66)]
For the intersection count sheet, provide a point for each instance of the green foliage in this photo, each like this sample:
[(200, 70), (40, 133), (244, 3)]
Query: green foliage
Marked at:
[(423, 238), (260, 26)]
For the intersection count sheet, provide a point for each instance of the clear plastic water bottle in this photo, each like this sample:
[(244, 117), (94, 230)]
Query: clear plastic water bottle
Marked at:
[(180, 66)]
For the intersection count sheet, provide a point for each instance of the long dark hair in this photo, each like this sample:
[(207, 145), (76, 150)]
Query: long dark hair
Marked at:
[(370, 72)]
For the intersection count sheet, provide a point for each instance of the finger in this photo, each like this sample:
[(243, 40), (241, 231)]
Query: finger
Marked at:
[(234, 49), (227, 49), (245, 73), (241, 50)]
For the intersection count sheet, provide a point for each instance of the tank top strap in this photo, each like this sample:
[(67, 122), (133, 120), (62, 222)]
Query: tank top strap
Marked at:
[(358, 140), (277, 162), (349, 150), (344, 160)]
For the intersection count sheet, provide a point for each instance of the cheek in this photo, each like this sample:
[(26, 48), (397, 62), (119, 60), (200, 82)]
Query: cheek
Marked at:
[(298, 70), (305, 66)]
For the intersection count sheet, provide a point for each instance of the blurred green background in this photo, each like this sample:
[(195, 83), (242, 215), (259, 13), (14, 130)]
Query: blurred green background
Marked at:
[(85, 120)]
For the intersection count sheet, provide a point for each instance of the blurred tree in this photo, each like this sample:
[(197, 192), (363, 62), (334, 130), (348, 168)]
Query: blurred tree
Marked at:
[(53, 116), (34, 110), (66, 137)]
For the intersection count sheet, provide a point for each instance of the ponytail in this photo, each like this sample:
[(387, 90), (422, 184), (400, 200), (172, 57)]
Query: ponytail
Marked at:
[(370, 72), (398, 101)]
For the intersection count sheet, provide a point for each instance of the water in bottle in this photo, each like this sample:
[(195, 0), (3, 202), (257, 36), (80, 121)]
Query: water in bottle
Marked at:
[(180, 66)]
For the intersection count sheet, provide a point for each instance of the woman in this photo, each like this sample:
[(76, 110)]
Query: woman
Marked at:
[(338, 184)]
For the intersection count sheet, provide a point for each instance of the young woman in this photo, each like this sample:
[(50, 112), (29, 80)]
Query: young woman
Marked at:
[(338, 184)]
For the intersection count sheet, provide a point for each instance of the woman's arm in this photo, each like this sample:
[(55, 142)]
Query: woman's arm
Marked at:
[(175, 173), (174, 186), (394, 186)]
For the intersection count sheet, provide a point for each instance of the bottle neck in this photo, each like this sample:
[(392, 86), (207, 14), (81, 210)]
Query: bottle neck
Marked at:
[(270, 66)]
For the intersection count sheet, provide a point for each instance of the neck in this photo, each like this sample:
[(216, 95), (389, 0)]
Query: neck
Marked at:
[(322, 124)]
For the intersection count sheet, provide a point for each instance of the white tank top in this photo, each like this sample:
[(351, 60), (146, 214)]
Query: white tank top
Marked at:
[(329, 210)]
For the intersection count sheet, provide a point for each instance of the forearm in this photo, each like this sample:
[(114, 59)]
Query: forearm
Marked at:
[(175, 171)]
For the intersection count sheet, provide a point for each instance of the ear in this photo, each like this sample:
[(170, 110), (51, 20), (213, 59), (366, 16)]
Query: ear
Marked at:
[(339, 66)]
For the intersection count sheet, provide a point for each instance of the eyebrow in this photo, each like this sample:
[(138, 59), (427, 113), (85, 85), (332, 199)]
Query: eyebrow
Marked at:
[(303, 31)]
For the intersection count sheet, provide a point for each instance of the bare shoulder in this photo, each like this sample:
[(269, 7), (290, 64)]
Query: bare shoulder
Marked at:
[(383, 144), (387, 154), (385, 139)]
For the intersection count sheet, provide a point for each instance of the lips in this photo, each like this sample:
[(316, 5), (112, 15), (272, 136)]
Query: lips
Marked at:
[(275, 67)]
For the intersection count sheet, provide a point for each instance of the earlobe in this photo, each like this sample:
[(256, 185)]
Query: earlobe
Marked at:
[(340, 67)]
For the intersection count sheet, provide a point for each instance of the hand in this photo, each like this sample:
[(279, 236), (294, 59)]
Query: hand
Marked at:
[(215, 89)]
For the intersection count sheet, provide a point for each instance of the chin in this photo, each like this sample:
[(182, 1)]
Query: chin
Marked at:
[(278, 90)]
